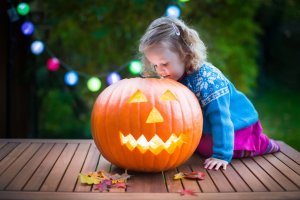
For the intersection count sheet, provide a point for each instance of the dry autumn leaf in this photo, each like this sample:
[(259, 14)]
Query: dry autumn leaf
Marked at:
[(189, 175), (84, 178), (104, 181), (194, 175), (179, 175)]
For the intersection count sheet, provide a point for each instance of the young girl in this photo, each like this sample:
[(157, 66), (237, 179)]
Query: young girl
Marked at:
[(231, 128)]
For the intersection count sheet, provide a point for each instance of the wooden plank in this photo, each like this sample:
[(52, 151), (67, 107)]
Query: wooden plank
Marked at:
[(247, 176), (289, 162), (295, 178), (64, 141), (90, 165), (24, 175), (35, 182), (5, 150), (69, 180), (172, 185), (269, 183), (2, 144), (12, 156), (206, 185), (56, 174), (276, 174), (146, 182), (103, 164), (189, 184), (236, 181), (290, 152), (220, 180), (14, 169), (147, 196)]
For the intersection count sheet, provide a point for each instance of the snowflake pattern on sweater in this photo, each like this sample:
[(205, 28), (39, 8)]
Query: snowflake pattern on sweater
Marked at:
[(209, 83)]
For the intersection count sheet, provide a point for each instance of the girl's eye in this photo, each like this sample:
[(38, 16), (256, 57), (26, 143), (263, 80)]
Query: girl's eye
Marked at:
[(154, 66), (165, 64)]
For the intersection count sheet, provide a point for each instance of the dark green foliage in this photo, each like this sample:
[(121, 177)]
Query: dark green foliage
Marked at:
[(279, 114), (96, 37)]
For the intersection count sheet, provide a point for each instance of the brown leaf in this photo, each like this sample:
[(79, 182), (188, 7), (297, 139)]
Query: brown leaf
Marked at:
[(194, 175)]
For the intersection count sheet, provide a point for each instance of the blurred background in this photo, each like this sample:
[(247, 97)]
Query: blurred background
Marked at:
[(57, 56)]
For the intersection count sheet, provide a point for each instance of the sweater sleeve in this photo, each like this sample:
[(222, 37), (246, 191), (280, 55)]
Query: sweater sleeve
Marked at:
[(218, 114)]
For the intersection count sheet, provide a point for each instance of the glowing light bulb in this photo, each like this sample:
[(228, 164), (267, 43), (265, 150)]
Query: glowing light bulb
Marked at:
[(135, 67), (113, 78), (53, 64), (27, 28), (37, 47), (23, 8), (71, 78), (173, 11), (94, 84)]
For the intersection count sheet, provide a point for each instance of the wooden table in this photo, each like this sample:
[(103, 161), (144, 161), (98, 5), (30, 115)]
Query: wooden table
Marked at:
[(48, 169)]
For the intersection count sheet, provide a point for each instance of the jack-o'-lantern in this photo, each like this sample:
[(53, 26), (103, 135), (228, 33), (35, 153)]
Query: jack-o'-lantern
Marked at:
[(147, 124)]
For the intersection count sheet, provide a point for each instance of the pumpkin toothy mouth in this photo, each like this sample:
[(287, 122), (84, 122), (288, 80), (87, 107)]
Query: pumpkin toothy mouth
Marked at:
[(155, 145)]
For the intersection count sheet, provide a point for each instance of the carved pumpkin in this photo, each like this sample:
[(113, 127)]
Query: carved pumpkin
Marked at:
[(146, 124)]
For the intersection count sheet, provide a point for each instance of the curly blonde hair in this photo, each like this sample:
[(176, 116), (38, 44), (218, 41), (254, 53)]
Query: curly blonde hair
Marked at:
[(178, 37)]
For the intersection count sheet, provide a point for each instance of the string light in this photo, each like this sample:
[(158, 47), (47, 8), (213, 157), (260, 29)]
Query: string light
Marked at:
[(113, 78), (173, 11), (135, 67), (53, 64), (37, 47), (94, 84), (23, 9), (27, 28), (71, 78)]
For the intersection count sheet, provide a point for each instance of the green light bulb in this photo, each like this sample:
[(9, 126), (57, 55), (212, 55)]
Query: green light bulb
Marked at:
[(94, 84), (135, 67), (23, 9)]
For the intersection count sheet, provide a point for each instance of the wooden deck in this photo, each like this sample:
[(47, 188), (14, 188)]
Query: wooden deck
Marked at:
[(48, 169)]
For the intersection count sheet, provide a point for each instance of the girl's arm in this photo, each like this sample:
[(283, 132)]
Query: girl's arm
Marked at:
[(218, 114)]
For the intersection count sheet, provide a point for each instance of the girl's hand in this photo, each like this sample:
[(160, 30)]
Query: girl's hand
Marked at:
[(211, 163)]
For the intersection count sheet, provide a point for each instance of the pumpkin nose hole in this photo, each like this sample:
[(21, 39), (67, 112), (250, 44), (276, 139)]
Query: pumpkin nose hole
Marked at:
[(154, 116)]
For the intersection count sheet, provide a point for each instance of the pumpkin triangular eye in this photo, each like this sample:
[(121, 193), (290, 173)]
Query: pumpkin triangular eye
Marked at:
[(154, 117), (138, 96), (168, 95)]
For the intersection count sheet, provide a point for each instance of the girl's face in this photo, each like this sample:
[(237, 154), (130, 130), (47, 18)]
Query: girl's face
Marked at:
[(166, 63)]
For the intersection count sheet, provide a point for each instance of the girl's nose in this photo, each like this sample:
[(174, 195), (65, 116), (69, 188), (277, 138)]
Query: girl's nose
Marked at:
[(161, 71)]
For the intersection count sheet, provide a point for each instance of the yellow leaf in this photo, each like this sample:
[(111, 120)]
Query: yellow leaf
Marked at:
[(88, 179), (179, 175)]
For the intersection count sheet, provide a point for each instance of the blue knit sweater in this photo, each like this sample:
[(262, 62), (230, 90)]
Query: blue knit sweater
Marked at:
[(225, 109)]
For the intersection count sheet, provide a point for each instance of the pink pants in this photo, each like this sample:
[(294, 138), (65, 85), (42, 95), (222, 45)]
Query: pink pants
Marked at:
[(248, 142)]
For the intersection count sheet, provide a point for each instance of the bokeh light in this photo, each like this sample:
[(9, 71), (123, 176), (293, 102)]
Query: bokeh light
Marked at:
[(113, 78), (23, 8), (71, 78), (37, 47), (135, 67), (94, 84), (27, 28), (53, 64), (173, 11)]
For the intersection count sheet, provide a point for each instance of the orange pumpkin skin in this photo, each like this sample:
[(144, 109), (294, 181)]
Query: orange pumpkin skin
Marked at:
[(146, 124)]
